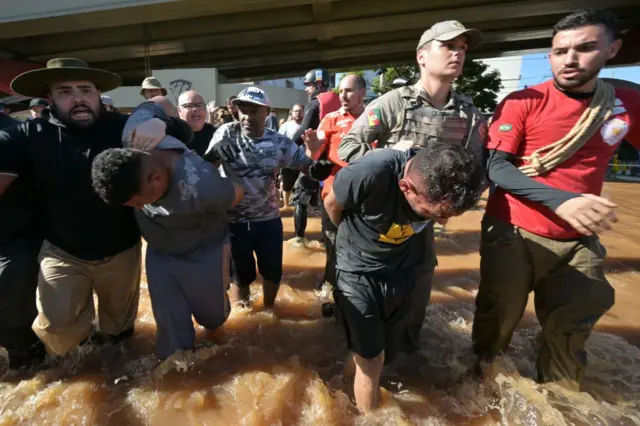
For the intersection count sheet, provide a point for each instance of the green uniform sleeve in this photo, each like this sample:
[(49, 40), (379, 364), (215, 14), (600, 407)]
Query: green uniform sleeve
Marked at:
[(373, 125)]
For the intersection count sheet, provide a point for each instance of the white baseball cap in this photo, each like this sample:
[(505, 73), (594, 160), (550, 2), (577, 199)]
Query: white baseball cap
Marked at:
[(253, 95)]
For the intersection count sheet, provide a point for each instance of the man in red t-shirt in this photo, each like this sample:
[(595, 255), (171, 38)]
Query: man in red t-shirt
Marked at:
[(324, 144), (540, 230)]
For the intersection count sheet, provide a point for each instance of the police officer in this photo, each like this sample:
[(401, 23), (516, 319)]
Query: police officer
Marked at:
[(413, 116), (322, 101)]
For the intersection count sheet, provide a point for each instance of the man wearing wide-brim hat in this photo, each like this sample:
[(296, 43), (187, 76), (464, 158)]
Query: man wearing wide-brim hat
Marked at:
[(151, 87), (88, 245)]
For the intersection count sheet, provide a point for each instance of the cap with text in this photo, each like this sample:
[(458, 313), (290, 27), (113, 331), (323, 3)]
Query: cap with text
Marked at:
[(253, 95), (447, 31)]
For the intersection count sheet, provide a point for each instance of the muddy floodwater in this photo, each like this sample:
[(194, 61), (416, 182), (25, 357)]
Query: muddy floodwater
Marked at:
[(283, 367)]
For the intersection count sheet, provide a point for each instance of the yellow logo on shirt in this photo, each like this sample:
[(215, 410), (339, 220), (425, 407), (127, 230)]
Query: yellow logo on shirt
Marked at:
[(397, 234)]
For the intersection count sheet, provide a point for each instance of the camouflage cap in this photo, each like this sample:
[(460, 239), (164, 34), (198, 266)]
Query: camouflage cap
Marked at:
[(448, 30)]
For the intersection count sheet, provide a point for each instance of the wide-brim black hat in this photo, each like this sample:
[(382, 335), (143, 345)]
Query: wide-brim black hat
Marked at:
[(36, 83)]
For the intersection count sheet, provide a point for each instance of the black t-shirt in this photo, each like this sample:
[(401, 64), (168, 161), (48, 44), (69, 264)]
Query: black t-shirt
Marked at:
[(55, 161), (201, 139), (7, 120), (379, 230)]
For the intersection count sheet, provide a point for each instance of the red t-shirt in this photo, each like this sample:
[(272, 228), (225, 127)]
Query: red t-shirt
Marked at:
[(332, 128), (540, 115)]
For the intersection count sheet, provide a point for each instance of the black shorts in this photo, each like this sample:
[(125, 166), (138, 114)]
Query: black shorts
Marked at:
[(265, 240), (375, 311), (289, 178)]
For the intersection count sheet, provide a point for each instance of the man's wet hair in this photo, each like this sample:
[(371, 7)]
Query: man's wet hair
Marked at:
[(116, 174), (446, 173), (585, 17), (231, 98)]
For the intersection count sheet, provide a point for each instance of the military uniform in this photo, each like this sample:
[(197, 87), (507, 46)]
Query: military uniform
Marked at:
[(407, 114)]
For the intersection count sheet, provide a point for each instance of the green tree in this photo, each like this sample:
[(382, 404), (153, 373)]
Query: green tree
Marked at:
[(411, 73), (480, 85), (475, 81)]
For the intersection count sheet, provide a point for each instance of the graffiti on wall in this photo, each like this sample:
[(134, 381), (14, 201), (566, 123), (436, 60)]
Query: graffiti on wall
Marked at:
[(178, 87)]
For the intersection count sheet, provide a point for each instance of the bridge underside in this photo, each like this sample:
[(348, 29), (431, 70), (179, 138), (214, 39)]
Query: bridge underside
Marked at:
[(260, 39)]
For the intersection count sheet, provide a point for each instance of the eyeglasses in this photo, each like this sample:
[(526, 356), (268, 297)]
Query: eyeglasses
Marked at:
[(192, 106)]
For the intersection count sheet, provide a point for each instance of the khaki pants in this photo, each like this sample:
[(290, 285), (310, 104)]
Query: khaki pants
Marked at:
[(571, 294), (65, 296)]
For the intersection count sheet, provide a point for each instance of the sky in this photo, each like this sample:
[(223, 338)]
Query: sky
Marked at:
[(536, 69)]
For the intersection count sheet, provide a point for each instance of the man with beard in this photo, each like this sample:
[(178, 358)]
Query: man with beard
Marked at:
[(381, 204), (549, 147), (255, 154), (89, 246), (417, 115), (322, 101), (193, 110), (332, 129), (289, 129)]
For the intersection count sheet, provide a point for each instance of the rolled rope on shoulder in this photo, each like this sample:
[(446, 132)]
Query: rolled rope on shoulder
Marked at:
[(598, 111)]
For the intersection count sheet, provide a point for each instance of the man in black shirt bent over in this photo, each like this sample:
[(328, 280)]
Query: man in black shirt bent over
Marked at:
[(380, 203)]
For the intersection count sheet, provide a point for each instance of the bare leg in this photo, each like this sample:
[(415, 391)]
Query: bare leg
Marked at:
[(286, 196), (366, 387), (349, 365)]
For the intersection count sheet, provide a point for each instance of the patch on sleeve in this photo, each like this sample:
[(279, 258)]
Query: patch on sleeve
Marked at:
[(505, 128), (613, 131), (373, 117)]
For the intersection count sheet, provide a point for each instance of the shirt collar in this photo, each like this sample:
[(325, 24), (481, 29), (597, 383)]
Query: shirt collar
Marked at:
[(453, 101)]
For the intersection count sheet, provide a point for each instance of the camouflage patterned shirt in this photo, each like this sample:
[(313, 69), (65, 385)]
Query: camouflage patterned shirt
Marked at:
[(257, 163)]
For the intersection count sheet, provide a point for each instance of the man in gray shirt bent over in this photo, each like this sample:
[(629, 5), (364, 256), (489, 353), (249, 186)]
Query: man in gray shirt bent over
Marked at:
[(182, 202)]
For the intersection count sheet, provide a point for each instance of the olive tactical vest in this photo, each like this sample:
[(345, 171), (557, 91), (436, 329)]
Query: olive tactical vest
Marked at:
[(422, 123)]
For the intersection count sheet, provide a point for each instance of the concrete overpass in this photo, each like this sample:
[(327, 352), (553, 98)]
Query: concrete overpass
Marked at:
[(259, 39)]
